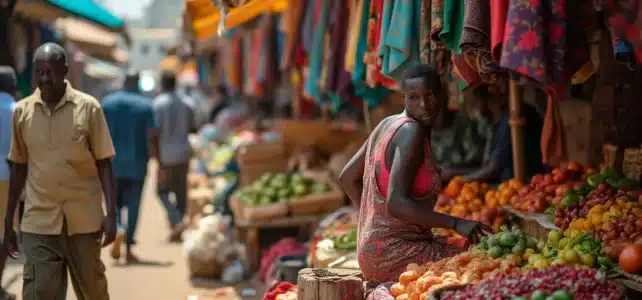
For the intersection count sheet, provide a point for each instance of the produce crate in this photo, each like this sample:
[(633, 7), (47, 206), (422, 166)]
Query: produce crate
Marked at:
[(318, 203), (257, 213), (261, 152), (253, 171), (532, 228)]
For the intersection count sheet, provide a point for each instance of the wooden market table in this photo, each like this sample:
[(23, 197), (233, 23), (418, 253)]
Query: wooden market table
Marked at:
[(248, 232)]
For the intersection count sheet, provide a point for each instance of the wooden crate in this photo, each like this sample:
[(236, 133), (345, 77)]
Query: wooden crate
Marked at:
[(259, 212), (253, 171), (261, 152), (319, 203)]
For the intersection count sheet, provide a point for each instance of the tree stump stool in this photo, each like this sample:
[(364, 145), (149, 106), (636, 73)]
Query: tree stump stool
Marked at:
[(330, 284)]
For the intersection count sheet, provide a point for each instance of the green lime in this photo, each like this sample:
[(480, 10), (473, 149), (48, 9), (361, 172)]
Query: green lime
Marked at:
[(495, 252), (538, 295), (507, 239), (562, 295)]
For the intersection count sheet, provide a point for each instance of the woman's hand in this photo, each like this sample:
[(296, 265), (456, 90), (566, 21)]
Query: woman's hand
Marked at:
[(472, 230)]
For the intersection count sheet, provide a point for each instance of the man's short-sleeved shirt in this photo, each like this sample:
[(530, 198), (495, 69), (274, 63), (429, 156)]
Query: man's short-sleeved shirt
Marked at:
[(130, 117), (501, 150), (60, 148), (7, 104), (175, 119)]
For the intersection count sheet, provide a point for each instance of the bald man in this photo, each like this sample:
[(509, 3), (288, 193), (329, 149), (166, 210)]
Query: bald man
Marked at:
[(60, 153), (132, 125)]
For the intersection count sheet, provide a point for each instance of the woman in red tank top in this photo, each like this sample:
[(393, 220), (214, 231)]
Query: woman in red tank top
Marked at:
[(395, 183)]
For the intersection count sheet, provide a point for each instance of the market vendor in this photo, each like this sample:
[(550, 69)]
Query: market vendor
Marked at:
[(498, 164), (395, 182)]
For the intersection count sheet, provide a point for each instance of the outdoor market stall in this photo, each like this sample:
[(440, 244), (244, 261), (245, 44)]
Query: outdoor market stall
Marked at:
[(341, 56)]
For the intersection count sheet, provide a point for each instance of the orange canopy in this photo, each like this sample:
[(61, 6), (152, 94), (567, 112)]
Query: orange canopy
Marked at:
[(205, 16)]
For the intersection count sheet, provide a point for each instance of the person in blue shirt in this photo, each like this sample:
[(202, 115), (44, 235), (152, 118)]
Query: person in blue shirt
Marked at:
[(498, 163), (7, 103), (132, 124)]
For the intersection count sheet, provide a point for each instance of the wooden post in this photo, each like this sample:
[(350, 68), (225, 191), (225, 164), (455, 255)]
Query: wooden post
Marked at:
[(516, 130), (330, 284)]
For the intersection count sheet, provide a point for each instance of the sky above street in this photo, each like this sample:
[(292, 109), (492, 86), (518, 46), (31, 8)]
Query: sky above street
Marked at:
[(131, 9)]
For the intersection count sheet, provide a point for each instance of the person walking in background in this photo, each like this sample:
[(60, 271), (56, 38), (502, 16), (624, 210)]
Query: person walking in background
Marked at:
[(60, 154), (175, 119), (132, 125), (7, 103)]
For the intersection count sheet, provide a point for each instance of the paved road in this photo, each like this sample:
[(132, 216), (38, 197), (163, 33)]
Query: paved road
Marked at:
[(167, 280)]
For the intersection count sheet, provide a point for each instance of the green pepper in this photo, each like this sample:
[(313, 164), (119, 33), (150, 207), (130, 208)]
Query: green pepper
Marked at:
[(595, 180), (604, 261), (629, 183), (614, 183)]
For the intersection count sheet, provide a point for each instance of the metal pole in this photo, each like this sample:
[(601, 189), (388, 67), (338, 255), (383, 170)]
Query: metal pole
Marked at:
[(516, 129)]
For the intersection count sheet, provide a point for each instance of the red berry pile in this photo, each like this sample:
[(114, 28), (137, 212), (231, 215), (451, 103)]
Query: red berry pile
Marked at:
[(581, 283)]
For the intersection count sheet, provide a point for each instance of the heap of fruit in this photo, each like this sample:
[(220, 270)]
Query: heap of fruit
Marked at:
[(281, 187), (581, 250), (346, 240), (419, 281), (548, 189), (555, 283), (474, 201), (605, 204), (512, 245)]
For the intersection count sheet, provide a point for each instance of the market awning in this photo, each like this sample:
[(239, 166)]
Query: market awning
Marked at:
[(51, 10), (205, 16), (92, 40), (91, 11)]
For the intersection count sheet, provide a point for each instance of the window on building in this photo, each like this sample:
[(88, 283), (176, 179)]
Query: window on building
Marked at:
[(144, 49), (162, 49)]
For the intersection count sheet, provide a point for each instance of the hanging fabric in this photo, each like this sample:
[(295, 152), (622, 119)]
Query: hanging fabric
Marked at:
[(307, 25), (374, 77), (399, 44), (453, 24), (338, 80), (315, 62), (424, 31), (543, 43), (439, 55), (292, 23), (475, 40), (353, 36), (498, 12), (373, 96), (234, 64)]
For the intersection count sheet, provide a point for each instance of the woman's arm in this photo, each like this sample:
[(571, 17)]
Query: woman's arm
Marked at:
[(351, 178), (407, 149)]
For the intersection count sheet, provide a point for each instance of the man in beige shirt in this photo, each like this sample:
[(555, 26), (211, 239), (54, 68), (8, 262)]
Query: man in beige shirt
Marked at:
[(61, 150)]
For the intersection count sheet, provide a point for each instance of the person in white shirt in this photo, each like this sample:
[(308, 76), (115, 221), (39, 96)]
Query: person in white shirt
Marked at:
[(7, 103)]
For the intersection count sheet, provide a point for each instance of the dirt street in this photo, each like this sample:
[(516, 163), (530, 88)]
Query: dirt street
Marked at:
[(165, 277)]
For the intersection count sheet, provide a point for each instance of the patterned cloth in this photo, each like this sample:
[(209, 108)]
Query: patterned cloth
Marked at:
[(373, 96), (386, 245), (424, 34), (475, 40), (399, 44), (545, 43)]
